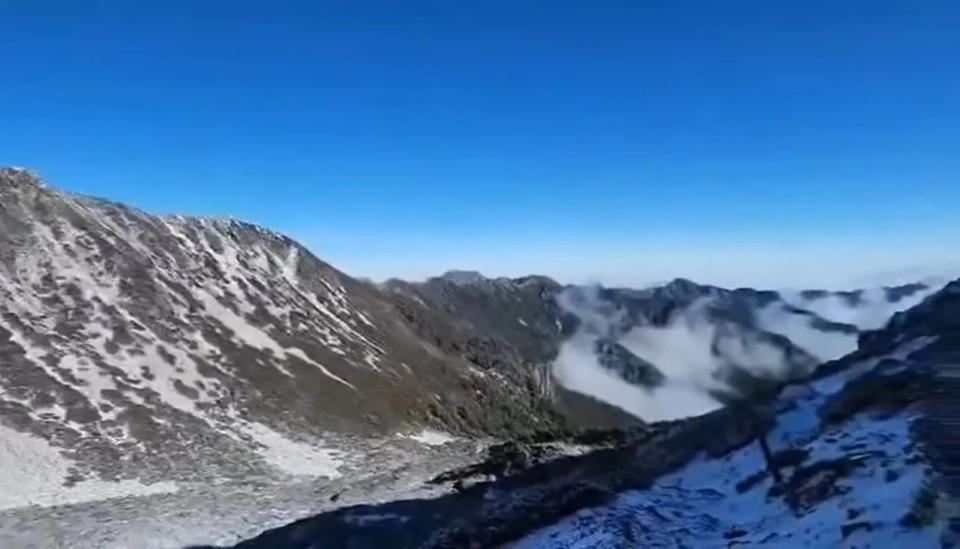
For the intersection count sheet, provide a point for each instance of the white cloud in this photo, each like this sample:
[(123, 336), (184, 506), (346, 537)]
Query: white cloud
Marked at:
[(871, 312), (693, 347)]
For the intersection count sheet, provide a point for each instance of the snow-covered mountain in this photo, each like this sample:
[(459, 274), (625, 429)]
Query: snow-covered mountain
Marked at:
[(166, 363), (168, 349), (865, 453)]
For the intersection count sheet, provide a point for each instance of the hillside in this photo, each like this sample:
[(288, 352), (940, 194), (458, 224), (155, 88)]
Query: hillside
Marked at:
[(151, 362)]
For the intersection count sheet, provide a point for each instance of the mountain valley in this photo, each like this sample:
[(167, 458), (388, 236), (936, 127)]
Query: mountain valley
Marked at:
[(168, 381)]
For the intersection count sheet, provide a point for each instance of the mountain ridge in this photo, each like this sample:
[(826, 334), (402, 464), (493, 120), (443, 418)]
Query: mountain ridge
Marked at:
[(204, 323), (865, 455), (156, 356)]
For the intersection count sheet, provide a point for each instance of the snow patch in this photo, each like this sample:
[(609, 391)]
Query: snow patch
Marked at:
[(255, 337), (298, 459), (431, 437), (32, 473), (699, 505)]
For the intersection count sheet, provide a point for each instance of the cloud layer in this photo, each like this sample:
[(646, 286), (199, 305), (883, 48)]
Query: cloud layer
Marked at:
[(697, 351)]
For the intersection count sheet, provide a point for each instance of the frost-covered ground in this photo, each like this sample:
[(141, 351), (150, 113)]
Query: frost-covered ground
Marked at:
[(700, 505), (711, 503), (183, 514), (33, 473)]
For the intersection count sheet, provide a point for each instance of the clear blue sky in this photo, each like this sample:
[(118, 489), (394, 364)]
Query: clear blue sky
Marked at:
[(734, 142)]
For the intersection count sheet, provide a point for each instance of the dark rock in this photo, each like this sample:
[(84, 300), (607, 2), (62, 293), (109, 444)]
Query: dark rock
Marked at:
[(849, 528), (626, 365), (737, 533), (791, 457), (888, 388), (749, 482), (811, 484)]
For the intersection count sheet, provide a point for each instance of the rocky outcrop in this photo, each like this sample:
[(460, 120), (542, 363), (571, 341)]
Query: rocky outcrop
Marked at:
[(626, 365)]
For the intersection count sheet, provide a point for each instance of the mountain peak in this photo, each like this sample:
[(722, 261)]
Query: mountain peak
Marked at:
[(147, 334), (17, 177), (682, 284), (463, 278), (685, 290)]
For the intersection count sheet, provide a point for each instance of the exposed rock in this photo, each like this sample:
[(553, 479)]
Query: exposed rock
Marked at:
[(626, 365), (851, 527)]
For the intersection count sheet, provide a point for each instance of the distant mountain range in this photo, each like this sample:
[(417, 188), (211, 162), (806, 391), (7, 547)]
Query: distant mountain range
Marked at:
[(151, 349)]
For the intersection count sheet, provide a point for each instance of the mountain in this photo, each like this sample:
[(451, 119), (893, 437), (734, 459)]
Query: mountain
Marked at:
[(705, 346), (171, 340), (863, 455), (151, 364)]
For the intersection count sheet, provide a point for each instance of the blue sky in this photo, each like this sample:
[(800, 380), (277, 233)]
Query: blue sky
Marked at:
[(765, 143)]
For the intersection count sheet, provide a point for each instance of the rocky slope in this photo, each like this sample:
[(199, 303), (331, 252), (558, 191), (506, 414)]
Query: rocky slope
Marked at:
[(138, 344), (863, 455)]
